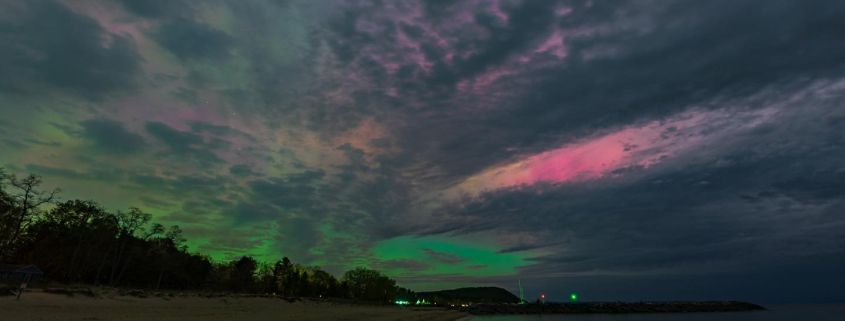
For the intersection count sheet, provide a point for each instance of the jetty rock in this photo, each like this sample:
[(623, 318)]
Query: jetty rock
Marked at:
[(611, 307)]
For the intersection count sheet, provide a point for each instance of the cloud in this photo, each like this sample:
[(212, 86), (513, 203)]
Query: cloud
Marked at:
[(14, 144), (819, 186), (178, 140), (219, 130), (155, 8), (188, 39), (442, 257), (184, 188), (156, 203), (668, 222), (403, 264), (48, 44), (761, 188), (298, 236), (185, 144), (229, 241), (111, 136), (293, 192), (189, 96), (241, 170), (520, 102), (105, 175)]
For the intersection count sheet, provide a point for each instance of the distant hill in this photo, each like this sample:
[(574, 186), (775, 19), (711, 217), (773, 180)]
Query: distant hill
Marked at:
[(466, 295)]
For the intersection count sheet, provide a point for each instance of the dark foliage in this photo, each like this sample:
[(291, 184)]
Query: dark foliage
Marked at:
[(370, 285), (464, 295), (77, 241)]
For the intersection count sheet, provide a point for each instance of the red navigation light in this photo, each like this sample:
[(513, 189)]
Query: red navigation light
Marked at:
[(543, 296)]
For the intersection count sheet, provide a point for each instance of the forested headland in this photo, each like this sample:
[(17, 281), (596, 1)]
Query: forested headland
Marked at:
[(79, 242)]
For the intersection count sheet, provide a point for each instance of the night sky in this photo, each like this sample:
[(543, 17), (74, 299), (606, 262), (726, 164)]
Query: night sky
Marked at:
[(622, 150)]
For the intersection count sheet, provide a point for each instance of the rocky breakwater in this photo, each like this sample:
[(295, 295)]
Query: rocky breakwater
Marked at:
[(611, 307)]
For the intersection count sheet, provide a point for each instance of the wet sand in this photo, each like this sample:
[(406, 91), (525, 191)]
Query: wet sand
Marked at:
[(45, 307)]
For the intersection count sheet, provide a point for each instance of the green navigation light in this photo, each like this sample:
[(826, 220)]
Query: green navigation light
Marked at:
[(573, 296)]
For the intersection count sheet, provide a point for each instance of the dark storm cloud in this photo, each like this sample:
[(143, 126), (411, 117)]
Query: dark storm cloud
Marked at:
[(241, 170), (526, 23), (72, 131), (197, 207), (188, 39), (179, 141), (279, 198), (5, 125), (230, 241), (297, 236), (49, 44), (374, 202), (110, 136), (156, 203), (292, 192), (527, 247), (281, 73), (33, 141), (300, 203), (104, 175), (355, 158), (154, 9), (219, 130), (191, 191), (59, 172), (14, 144), (403, 264), (186, 144), (297, 205), (246, 212), (817, 187), (189, 96), (447, 258)]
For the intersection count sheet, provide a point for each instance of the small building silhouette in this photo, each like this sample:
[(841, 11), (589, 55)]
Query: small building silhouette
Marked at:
[(18, 273)]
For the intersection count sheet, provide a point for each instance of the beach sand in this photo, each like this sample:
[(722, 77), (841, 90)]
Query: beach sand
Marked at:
[(45, 307)]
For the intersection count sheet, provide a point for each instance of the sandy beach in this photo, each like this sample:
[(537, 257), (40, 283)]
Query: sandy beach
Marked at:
[(44, 307)]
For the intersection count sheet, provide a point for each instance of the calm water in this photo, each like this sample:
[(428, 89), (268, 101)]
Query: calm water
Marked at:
[(775, 313)]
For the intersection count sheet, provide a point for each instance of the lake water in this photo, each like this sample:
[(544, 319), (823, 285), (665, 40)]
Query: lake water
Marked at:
[(775, 313)]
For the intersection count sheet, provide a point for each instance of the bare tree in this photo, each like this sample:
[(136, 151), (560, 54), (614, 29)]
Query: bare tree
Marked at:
[(5, 202), (77, 216), (24, 206), (6, 213), (128, 223), (173, 241)]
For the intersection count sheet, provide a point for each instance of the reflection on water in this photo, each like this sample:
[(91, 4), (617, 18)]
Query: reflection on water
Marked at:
[(775, 313)]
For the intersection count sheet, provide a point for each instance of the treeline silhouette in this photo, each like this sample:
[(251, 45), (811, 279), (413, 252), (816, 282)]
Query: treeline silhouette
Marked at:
[(77, 241)]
